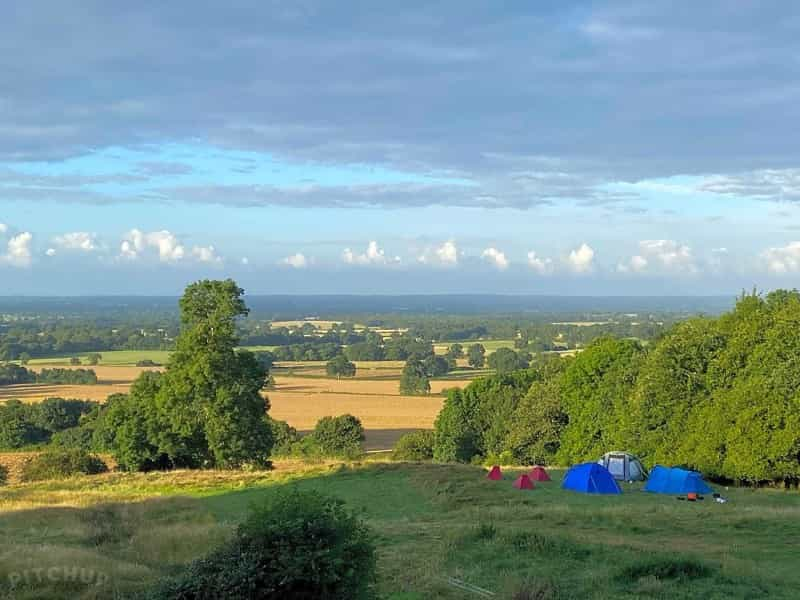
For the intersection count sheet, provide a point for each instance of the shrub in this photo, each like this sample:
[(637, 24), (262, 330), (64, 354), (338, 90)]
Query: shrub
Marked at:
[(338, 436), (285, 437), (296, 544), (415, 446), (74, 361), (3, 475), (67, 376), (146, 362), (59, 463), (74, 437)]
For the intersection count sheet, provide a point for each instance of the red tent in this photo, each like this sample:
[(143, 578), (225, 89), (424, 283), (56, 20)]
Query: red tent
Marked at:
[(523, 482), (495, 474), (539, 474)]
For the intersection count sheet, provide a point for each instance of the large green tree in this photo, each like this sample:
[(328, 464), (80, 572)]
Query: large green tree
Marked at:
[(414, 378), (207, 408), (340, 367)]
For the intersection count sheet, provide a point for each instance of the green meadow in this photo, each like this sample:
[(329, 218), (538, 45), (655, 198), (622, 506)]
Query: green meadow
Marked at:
[(442, 531)]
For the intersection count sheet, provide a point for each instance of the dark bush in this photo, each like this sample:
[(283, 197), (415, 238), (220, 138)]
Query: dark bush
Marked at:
[(146, 362), (59, 463), (67, 376), (415, 446), (74, 437), (298, 545), (11, 374), (285, 437), (665, 568), (338, 436), (3, 475)]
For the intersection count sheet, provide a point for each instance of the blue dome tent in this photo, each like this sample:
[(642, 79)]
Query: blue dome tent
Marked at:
[(672, 480), (590, 478)]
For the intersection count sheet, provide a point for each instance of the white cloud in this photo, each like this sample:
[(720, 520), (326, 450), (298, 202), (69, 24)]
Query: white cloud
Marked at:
[(374, 255), (77, 240), (18, 250), (666, 255), (636, 264), (670, 254), (783, 259), (581, 259), (206, 254), (542, 265), (166, 245), (445, 255), (496, 257), (3, 227), (51, 252), (296, 261), (245, 260)]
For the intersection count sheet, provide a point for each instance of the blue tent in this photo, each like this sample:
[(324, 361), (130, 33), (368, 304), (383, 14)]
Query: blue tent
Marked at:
[(590, 478), (671, 480)]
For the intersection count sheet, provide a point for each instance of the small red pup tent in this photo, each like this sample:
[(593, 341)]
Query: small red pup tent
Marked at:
[(523, 482), (495, 474), (538, 474)]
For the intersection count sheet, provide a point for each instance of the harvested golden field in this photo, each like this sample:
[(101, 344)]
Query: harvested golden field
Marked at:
[(385, 414), (302, 396), (36, 392), (111, 380)]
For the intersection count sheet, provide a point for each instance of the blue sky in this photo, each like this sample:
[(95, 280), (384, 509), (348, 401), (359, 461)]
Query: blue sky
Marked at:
[(313, 147)]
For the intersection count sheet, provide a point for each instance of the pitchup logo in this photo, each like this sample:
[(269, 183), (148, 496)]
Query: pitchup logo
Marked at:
[(41, 575)]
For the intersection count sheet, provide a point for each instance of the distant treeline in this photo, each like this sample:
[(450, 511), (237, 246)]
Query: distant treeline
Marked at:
[(31, 339), (12, 374), (720, 395)]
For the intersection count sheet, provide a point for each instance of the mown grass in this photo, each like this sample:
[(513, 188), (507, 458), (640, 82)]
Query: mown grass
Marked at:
[(434, 524)]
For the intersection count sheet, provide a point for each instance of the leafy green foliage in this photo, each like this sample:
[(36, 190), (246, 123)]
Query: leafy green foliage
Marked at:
[(28, 424), (3, 475), (415, 446), (476, 356), (414, 378), (505, 360), (340, 367), (60, 376), (340, 436), (294, 545), (60, 463), (206, 409), (285, 438), (718, 395), (11, 374), (594, 391), (455, 351)]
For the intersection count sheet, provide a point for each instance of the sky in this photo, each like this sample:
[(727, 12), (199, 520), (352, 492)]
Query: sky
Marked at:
[(305, 147)]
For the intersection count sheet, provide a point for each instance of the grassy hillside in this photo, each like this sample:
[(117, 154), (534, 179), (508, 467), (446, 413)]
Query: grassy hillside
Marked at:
[(432, 523)]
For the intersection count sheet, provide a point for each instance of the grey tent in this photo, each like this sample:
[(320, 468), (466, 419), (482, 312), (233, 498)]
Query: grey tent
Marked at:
[(624, 466)]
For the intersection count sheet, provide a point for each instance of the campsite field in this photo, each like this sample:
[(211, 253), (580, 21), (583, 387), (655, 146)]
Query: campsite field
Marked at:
[(303, 394), (434, 526)]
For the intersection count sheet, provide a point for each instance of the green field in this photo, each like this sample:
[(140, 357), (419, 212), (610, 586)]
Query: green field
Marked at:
[(124, 357), (431, 523), (489, 345)]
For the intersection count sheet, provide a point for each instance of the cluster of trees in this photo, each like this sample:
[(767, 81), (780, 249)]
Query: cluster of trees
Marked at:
[(341, 437), (37, 423), (12, 374), (205, 409), (32, 339), (307, 351), (720, 395)]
